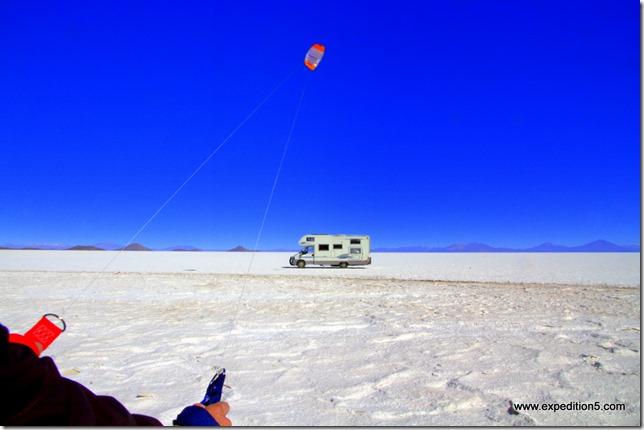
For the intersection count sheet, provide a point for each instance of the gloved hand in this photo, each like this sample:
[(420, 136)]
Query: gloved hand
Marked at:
[(219, 411), (200, 415)]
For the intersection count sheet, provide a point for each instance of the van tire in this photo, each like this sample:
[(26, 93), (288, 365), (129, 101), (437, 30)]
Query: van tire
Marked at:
[(301, 264), (344, 265)]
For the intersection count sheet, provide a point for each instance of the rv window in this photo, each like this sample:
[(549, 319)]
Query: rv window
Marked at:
[(356, 250), (355, 241), (337, 246), (310, 239), (323, 247)]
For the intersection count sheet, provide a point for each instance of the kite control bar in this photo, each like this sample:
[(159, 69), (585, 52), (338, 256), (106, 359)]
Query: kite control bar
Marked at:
[(215, 388)]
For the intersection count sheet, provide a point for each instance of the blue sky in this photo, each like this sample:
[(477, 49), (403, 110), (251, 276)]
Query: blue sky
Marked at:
[(428, 122)]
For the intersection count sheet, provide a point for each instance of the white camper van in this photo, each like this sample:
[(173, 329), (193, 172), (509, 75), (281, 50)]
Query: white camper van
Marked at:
[(333, 250)]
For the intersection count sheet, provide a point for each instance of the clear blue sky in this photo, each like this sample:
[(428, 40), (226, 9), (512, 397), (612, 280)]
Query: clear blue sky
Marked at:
[(428, 122)]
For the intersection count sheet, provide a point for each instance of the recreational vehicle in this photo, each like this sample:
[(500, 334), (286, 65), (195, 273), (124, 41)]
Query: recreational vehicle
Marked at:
[(333, 250)]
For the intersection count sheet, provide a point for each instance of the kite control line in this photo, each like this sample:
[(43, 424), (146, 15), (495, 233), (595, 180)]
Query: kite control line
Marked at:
[(41, 335)]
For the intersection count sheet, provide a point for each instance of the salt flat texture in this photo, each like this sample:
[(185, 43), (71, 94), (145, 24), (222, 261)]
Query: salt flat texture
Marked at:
[(563, 268), (414, 339)]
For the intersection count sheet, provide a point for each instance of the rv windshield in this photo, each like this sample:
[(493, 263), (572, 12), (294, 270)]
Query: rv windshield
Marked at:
[(307, 249)]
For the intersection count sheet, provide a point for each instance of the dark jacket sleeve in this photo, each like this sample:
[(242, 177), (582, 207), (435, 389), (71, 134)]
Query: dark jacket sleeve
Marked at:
[(35, 393)]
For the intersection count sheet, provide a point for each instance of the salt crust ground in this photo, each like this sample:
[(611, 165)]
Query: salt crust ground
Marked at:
[(411, 340)]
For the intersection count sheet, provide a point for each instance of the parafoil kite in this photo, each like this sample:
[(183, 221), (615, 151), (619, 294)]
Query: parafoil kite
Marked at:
[(314, 56)]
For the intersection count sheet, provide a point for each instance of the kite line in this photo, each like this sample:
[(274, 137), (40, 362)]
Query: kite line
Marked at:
[(178, 190), (261, 227), (46, 330)]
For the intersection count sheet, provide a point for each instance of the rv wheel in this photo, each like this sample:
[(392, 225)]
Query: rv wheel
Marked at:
[(301, 263), (344, 265)]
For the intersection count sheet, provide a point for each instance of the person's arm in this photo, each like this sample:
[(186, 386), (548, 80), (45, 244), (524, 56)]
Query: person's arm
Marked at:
[(36, 394)]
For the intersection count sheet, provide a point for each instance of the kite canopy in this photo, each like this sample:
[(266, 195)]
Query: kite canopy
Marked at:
[(314, 56)]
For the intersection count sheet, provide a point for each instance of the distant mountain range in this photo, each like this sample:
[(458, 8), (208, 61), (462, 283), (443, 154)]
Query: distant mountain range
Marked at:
[(111, 247), (597, 246)]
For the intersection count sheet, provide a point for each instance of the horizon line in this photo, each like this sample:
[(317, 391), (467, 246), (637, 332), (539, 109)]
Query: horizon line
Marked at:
[(599, 245)]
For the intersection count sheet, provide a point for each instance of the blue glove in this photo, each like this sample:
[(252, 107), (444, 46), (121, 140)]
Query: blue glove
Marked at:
[(204, 413), (200, 415), (195, 416)]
